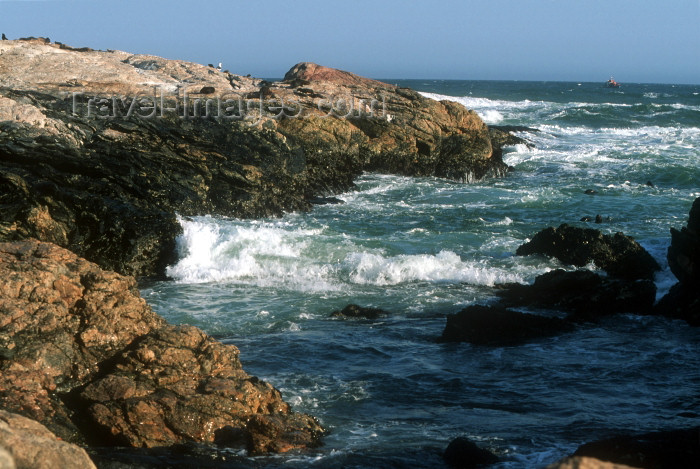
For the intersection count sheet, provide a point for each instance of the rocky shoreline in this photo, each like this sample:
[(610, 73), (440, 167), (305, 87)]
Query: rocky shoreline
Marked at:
[(100, 150), (89, 198)]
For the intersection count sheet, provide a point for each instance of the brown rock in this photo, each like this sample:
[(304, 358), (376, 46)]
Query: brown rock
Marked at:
[(311, 72), (60, 316), (68, 328), (30, 445), (191, 387)]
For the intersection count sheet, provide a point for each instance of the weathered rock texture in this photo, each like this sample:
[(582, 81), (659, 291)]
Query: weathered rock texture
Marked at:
[(82, 353), (95, 156), (30, 445), (619, 255), (683, 301)]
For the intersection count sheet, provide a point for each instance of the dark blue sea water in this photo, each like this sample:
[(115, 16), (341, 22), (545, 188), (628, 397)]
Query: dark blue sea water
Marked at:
[(423, 248)]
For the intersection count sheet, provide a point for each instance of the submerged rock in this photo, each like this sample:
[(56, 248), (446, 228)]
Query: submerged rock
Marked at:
[(359, 312), (465, 454), (93, 363), (496, 325), (619, 255)]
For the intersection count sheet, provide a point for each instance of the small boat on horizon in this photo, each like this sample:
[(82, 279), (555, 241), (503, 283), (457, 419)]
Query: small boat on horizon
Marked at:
[(611, 83)]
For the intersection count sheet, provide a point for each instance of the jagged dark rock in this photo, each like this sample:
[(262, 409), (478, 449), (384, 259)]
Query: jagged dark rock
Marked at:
[(462, 453), (496, 326), (684, 252), (619, 255), (585, 294), (683, 300)]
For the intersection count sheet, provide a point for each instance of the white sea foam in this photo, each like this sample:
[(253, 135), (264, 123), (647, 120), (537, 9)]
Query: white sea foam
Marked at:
[(445, 267), (264, 254), (490, 110), (283, 256)]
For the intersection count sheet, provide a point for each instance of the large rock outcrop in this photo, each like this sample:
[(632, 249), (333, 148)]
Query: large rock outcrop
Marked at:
[(582, 293), (619, 255), (683, 300), (99, 150), (82, 353)]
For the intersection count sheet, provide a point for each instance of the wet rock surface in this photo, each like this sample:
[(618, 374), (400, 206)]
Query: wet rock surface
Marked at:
[(683, 300), (353, 311), (86, 356), (584, 294), (497, 326), (619, 255)]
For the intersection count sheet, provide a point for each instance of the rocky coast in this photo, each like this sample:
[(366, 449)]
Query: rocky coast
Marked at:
[(101, 151)]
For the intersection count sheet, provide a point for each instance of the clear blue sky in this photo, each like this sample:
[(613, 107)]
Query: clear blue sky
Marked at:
[(578, 40)]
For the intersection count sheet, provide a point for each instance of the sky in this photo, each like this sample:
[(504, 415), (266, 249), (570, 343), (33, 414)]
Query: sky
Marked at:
[(648, 41)]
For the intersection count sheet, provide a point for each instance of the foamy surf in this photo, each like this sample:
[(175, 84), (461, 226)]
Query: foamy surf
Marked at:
[(279, 254)]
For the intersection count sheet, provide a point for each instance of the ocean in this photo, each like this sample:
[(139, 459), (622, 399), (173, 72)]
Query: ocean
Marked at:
[(423, 248)]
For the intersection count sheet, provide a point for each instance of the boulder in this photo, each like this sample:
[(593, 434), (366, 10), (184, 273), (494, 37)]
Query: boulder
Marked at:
[(496, 326), (26, 444), (359, 312), (657, 450), (86, 356), (619, 255), (465, 454), (585, 294)]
